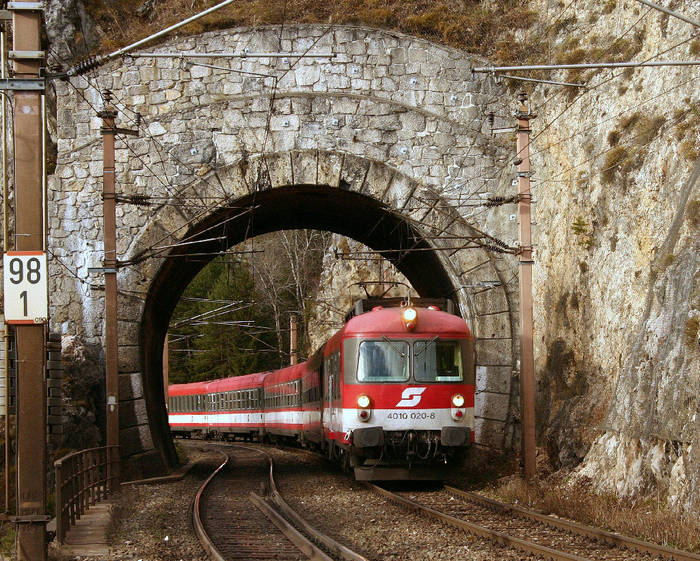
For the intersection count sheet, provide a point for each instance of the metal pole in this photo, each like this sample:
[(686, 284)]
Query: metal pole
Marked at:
[(108, 116), (670, 13), (31, 347), (586, 65), (527, 361), (293, 351), (5, 247), (226, 54), (166, 367)]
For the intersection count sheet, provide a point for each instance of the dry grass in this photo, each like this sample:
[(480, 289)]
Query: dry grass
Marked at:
[(645, 519), (692, 325), (465, 24), (647, 129), (614, 160), (693, 213)]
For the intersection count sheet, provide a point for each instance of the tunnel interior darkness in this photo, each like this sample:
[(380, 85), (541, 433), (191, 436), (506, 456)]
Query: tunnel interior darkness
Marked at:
[(321, 208)]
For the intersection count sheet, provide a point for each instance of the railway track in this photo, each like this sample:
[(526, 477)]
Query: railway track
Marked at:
[(238, 514), (547, 537)]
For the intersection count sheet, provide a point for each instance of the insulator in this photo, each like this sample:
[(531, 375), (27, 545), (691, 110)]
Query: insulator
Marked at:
[(495, 201), (86, 65)]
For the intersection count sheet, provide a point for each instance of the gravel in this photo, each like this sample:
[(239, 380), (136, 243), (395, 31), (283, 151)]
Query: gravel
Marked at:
[(369, 524), (153, 522)]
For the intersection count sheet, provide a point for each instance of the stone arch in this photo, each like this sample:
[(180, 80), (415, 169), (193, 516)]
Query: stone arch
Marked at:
[(362, 199), (391, 119)]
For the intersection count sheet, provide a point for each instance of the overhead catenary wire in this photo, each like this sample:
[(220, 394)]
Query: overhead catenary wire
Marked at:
[(90, 64)]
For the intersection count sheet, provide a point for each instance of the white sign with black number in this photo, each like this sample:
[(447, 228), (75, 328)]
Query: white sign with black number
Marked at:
[(26, 287)]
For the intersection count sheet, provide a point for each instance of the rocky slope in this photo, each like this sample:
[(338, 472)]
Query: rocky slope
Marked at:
[(617, 296)]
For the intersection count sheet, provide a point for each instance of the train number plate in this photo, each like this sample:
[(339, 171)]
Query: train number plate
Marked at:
[(411, 415)]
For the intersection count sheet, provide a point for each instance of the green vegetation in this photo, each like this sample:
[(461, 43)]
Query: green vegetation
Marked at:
[(7, 540), (583, 232), (233, 318), (206, 345)]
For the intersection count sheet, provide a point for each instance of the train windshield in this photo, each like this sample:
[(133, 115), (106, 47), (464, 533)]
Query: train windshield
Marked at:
[(383, 361), (437, 361)]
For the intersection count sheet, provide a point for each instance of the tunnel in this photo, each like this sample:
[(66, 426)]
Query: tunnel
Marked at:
[(340, 211)]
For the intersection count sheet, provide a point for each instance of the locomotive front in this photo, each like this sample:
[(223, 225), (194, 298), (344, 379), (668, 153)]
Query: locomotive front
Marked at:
[(408, 392)]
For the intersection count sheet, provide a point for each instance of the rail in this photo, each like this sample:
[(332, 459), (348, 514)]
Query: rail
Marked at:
[(82, 479)]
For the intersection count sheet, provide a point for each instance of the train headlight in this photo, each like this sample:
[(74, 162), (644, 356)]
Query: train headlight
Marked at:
[(409, 316), (458, 411), (363, 411)]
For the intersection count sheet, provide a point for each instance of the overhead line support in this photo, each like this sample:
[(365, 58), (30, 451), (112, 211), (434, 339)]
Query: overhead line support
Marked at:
[(527, 362), (586, 65), (30, 339), (111, 264)]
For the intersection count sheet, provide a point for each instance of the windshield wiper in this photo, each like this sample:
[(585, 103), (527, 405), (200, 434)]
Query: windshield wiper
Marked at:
[(401, 354), (431, 340)]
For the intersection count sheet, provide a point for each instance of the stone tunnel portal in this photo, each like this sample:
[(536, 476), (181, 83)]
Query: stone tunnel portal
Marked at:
[(315, 207)]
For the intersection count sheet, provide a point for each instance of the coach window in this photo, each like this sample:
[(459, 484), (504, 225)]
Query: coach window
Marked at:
[(383, 361)]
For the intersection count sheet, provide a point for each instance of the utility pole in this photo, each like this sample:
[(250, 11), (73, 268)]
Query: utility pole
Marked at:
[(293, 351), (30, 336), (109, 203), (527, 361)]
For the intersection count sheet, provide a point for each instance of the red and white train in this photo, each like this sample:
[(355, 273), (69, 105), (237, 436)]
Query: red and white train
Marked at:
[(391, 395)]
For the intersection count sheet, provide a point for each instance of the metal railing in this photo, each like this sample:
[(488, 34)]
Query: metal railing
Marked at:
[(82, 479)]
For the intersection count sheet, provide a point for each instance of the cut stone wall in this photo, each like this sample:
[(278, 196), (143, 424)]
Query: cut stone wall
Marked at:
[(391, 117)]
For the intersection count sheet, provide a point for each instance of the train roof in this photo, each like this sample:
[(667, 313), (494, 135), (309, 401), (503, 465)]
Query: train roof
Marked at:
[(237, 383), (286, 374), (388, 321), (193, 388)]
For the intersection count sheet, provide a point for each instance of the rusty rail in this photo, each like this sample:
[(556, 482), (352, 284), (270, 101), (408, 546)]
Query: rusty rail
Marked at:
[(83, 479)]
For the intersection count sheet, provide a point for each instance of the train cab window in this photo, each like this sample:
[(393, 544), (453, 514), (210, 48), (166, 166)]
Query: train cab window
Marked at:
[(437, 361), (383, 361)]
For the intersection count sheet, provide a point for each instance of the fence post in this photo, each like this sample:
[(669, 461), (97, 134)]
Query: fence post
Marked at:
[(60, 524)]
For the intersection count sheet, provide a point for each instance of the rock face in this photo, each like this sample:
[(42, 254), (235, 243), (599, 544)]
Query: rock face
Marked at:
[(617, 296), (70, 31)]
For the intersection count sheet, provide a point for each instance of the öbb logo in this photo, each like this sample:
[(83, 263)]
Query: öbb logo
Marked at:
[(410, 397)]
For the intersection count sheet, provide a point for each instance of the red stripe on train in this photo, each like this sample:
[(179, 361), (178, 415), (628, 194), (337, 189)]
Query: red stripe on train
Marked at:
[(402, 396)]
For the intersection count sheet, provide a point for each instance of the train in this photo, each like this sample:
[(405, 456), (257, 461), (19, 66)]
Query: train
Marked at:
[(389, 396)]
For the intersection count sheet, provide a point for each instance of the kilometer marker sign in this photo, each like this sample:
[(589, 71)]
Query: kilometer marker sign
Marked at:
[(26, 286)]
